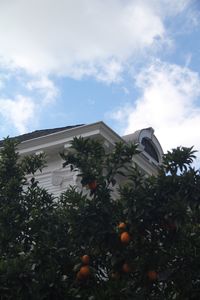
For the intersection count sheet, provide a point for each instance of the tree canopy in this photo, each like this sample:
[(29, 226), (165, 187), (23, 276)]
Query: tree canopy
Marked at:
[(136, 238)]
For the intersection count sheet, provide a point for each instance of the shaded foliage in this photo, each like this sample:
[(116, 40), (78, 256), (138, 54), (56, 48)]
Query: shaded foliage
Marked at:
[(42, 239)]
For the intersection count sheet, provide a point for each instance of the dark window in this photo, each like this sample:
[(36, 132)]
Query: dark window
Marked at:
[(149, 148)]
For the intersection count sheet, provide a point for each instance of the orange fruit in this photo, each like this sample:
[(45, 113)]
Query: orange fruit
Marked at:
[(92, 185), (122, 225), (152, 275), (126, 268), (125, 237), (79, 276), (85, 259), (84, 272)]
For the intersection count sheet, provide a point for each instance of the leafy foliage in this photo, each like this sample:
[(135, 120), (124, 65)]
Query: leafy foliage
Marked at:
[(33, 236), (178, 159), (42, 239), (90, 157)]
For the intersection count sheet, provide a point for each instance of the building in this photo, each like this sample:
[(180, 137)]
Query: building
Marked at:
[(56, 179)]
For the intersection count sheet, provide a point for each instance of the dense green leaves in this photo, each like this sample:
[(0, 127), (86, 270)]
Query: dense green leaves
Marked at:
[(94, 163), (42, 239), (32, 233), (178, 159)]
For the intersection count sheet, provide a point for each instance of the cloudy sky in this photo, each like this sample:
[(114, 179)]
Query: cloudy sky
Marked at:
[(131, 63)]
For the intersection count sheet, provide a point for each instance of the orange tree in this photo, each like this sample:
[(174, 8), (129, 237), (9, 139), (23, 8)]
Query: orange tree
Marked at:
[(143, 243), (33, 232), (140, 240)]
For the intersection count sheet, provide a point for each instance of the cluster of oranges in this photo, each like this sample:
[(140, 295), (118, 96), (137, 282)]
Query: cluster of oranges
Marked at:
[(126, 268), (84, 271), (125, 239), (124, 235)]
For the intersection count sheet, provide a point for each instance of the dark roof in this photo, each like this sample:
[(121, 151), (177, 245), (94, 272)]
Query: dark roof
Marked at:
[(40, 133)]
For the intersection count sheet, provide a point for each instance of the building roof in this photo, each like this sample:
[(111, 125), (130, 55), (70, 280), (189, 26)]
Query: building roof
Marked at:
[(54, 140), (39, 133)]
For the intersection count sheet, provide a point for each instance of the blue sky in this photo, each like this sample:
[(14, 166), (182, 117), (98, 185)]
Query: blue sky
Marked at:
[(131, 63)]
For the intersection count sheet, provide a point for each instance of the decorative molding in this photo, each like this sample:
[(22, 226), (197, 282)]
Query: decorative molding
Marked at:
[(56, 178)]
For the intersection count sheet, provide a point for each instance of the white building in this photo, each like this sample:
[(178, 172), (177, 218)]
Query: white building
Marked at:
[(53, 141)]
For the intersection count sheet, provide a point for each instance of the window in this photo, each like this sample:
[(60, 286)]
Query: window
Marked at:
[(149, 148)]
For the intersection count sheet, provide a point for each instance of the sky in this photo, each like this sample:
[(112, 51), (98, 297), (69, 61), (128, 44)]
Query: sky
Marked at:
[(130, 63)]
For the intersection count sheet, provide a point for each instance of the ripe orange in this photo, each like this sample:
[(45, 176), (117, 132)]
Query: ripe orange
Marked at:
[(85, 259), (125, 237), (126, 268), (84, 272), (79, 276), (152, 275), (92, 185), (122, 225)]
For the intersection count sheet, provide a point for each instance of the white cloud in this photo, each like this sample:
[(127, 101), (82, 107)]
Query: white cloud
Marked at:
[(19, 112), (111, 72), (3, 79), (46, 87), (1, 84), (78, 37), (74, 38), (168, 103)]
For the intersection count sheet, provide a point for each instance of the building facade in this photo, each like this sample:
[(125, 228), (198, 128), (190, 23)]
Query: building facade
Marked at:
[(52, 142)]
